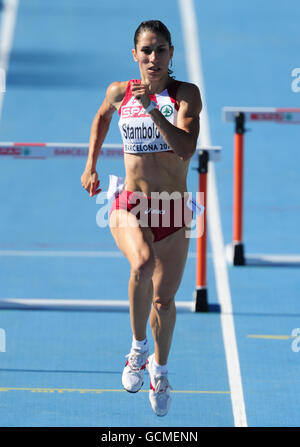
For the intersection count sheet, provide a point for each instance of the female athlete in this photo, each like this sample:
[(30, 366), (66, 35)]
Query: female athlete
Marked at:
[(159, 124)]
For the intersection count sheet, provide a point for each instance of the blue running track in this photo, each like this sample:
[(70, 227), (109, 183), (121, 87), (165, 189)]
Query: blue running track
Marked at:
[(63, 368)]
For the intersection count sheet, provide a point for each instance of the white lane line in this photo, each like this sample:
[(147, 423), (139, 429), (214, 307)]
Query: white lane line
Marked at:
[(62, 253), (190, 31), (7, 29), (269, 259), (70, 253), (77, 304)]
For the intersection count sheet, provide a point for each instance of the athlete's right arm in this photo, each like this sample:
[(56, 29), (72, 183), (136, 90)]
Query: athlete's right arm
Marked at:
[(100, 125)]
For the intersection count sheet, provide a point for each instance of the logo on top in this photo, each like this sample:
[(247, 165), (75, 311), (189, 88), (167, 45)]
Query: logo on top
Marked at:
[(135, 110), (166, 110)]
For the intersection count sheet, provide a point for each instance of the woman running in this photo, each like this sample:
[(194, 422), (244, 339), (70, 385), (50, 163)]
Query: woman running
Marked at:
[(159, 124)]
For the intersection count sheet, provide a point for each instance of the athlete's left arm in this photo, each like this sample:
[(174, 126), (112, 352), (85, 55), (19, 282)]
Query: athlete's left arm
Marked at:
[(183, 137)]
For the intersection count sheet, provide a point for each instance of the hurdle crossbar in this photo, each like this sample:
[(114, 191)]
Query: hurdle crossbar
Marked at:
[(24, 150), (43, 151), (239, 116), (263, 114), (29, 150)]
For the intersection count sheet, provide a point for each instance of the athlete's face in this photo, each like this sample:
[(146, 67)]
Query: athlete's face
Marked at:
[(153, 55)]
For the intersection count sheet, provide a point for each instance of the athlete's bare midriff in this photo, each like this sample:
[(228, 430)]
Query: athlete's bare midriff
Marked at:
[(157, 172)]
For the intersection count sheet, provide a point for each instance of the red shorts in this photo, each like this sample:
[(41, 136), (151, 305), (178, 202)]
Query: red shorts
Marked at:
[(164, 217)]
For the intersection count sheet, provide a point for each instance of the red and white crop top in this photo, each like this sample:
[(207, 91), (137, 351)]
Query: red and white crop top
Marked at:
[(139, 133)]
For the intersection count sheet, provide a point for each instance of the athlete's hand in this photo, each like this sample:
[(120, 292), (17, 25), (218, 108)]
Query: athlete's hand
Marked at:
[(141, 93), (90, 182)]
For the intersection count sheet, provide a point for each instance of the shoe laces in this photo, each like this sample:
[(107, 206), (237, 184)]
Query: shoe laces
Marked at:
[(137, 360), (161, 384)]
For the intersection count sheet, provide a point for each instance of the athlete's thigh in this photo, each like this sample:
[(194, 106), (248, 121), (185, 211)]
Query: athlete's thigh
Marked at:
[(132, 239), (170, 256)]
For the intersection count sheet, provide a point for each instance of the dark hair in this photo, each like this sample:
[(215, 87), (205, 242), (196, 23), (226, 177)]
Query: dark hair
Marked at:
[(157, 27)]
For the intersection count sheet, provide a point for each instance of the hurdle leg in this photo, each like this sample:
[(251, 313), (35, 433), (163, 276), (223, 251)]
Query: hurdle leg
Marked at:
[(200, 293), (238, 246)]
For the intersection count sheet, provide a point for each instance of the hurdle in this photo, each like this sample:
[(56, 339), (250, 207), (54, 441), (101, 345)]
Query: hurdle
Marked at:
[(205, 154), (235, 252), (42, 151)]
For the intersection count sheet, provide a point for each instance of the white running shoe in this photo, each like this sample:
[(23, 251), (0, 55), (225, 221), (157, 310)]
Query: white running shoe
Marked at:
[(159, 393), (133, 373)]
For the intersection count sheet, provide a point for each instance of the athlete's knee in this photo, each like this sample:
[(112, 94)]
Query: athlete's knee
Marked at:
[(163, 303), (143, 264)]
